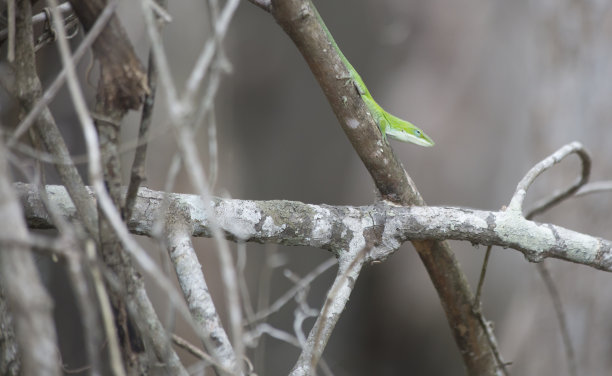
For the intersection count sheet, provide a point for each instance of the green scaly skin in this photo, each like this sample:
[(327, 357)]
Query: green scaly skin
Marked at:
[(390, 125)]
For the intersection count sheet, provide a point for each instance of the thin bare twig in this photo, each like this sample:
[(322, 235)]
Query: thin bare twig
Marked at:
[(30, 304), (541, 207), (213, 18), (179, 112), (348, 271), (46, 130), (220, 24), (241, 264), (516, 203), (140, 306), (213, 149), (300, 285), (10, 12), (560, 313), (91, 139), (208, 52), (171, 231), (95, 174), (69, 236), (140, 155), (302, 311), (192, 349), (49, 94), (228, 271), (28, 301), (161, 60), (483, 271), (253, 336), (486, 326), (350, 264), (545, 204), (272, 260), (81, 266), (263, 4), (108, 321), (89, 131), (595, 187), (36, 19)]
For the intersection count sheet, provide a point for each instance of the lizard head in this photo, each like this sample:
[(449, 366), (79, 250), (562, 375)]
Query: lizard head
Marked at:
[(402, 130)]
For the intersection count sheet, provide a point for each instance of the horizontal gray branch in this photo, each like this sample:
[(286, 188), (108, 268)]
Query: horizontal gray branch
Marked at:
[(381, 227)]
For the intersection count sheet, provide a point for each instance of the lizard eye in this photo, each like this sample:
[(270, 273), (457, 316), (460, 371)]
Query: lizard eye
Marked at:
[(417, 133)]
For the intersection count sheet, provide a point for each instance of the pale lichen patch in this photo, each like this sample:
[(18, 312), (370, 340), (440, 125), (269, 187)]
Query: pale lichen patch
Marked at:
[(352, 123), (270, 228), (579, 246), (321, 224), (355, 225), (514, 230), (238, 219)]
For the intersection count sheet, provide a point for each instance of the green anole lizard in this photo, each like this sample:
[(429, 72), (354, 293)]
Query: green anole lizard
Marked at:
[(389, 125)]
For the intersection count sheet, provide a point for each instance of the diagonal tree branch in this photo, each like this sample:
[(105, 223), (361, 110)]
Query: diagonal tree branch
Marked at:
[(195, 290), (350, 265), (299, 20)]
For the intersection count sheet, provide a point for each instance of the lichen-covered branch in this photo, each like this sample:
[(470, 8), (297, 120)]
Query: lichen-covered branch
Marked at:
[(384, 226), (195, 290), (350, 265)]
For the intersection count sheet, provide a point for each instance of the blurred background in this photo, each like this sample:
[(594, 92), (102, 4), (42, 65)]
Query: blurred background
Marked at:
[(498, 85)]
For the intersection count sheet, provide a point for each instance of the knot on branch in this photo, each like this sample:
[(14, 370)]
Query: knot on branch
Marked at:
[(122, 85)]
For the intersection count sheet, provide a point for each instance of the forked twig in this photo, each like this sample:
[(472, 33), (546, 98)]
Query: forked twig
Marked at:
[(348, 271), (300, 285), (516, 203), (542, 206)]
